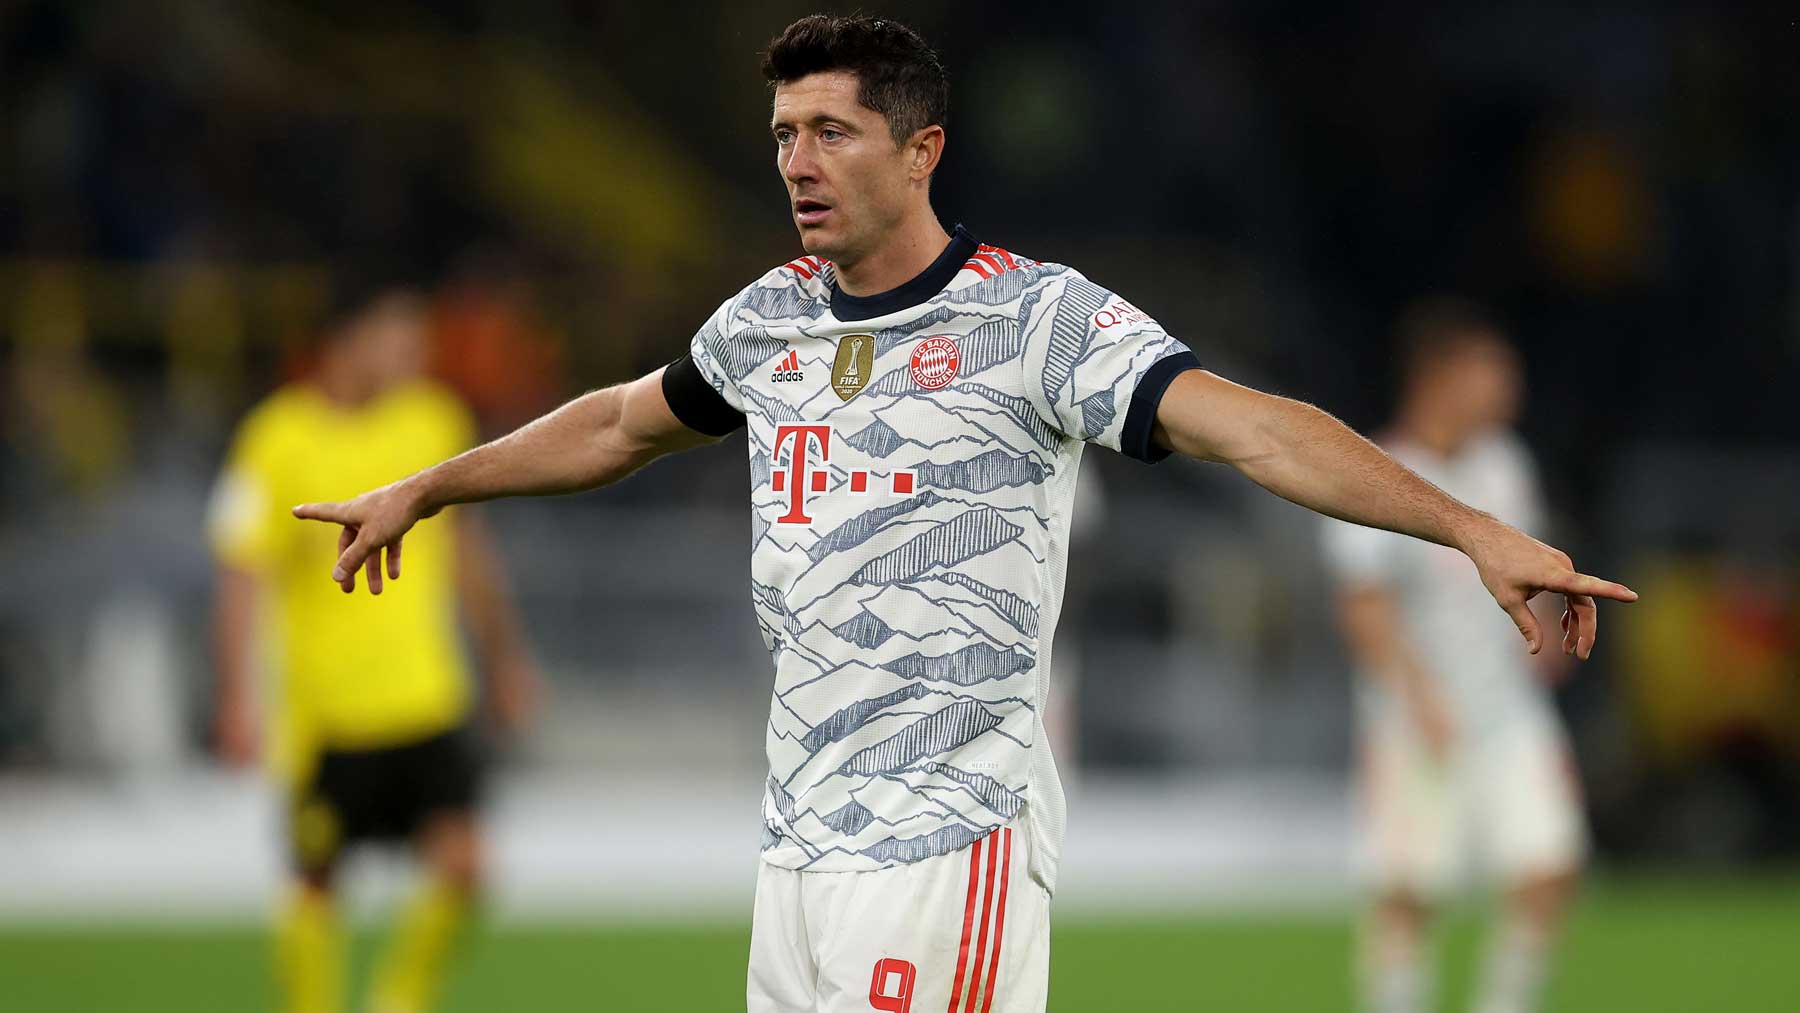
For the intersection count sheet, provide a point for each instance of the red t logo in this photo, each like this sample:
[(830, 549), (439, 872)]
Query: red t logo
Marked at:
[(794, 479)]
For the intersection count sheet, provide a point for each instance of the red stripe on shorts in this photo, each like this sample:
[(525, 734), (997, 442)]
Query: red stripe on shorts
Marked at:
[(987, 911), (962, 954), (999, 923)]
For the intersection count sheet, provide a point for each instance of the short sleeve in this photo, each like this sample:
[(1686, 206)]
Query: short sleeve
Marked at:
[(244, 519), (1096, 366), (711, 354), (1355, 554)]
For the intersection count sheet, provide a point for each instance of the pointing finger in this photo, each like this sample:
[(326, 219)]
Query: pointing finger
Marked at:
[(334, 513), (1570, 582), (393, 558)]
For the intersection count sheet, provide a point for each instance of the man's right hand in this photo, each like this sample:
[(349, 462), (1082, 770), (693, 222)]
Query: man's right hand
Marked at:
[(371, 522)]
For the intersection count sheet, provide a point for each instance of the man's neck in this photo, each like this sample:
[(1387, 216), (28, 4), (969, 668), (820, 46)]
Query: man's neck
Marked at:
[(909, 250), (343, 387)]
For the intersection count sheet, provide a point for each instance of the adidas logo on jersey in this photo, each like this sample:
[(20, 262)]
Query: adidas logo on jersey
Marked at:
[(788, 369)]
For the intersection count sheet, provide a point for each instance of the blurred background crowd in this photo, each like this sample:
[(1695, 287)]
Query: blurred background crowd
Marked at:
[(578, 185)]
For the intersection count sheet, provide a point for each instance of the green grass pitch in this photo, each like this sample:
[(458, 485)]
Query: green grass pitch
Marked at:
[(1640, 945)]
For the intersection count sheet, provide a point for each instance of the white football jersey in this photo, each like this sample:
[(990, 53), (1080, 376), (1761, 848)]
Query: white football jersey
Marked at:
[(912, 470), (1469, 646)]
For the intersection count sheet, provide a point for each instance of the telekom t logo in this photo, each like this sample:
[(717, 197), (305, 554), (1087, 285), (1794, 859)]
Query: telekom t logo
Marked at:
[(804, 473)]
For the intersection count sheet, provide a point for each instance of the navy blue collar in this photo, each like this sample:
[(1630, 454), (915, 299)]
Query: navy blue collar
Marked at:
[(923, 286)]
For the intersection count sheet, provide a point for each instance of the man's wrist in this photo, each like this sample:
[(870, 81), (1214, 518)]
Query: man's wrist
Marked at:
[(422, 493), (1469, 528)]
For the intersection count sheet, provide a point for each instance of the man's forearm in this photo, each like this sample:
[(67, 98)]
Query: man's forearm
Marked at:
[(582, 445), (1304, 455)]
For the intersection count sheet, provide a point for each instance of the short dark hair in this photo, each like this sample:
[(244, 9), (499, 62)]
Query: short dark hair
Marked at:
[(898, 75), (1435, 329), (355, 288)]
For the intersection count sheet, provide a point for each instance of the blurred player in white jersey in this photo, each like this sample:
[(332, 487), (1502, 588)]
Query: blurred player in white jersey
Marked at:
[(1464, 765), (916, 405)]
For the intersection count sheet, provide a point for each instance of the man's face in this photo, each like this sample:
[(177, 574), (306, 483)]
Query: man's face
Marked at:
[(1483, 383), (389, 340), (848, 183)]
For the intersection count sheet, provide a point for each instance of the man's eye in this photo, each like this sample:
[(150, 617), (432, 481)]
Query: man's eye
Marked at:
[(830, 134), (783, 136)]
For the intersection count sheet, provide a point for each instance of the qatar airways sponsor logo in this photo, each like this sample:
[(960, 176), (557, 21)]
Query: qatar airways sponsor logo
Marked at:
[(802, 459), (1120, 313)]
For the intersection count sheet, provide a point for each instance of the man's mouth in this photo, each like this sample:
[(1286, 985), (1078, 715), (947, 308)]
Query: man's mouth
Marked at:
[(808, 211)]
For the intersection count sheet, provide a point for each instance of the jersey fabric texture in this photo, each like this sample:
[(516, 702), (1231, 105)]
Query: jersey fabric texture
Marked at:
[(967, 932), (351, 672), (912, 470)]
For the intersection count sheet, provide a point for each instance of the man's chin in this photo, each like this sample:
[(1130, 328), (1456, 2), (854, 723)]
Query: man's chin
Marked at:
[(819, 242)]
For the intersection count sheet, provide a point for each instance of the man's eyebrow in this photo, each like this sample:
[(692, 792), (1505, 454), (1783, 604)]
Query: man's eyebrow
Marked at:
[(822, 119)]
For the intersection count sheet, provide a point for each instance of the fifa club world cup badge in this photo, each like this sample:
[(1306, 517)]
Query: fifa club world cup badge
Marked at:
[(934, 362), (855, 361)]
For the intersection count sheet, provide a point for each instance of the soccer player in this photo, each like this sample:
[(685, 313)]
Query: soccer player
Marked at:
[(1462, 755), (370, 707), (916, 404)]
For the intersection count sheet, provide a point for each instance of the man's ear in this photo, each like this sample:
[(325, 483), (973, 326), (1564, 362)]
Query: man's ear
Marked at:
[(924, 148)]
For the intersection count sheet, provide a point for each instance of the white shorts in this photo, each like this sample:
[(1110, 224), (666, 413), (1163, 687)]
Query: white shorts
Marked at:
[(967, 932), (1506, 805)]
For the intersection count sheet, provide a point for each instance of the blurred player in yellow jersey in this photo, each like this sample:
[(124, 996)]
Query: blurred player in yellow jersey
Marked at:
[(369, 705)]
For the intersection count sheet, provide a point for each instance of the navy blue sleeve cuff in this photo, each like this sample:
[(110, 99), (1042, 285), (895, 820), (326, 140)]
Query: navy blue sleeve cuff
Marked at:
[(1140, 419), (695, 402)]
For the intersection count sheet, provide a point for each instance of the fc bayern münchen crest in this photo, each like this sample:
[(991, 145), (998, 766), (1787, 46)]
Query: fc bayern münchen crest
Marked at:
[(934, 362), (855, 361)]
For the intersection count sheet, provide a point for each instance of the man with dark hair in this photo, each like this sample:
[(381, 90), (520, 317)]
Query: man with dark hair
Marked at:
[(916, 405), (1463, 760)]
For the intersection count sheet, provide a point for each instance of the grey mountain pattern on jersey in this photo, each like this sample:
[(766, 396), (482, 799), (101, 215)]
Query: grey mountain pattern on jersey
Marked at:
[(849, 819), (848, 720), (1097, 411), (1024, 614), (993, 794), (860, 528), (1021, 411), (780, 302), (966, 536), (1081, 299), (928, 736), (965, 667), (943, 841), (864, 630), (904, 627), (985, 473), (877, 439)]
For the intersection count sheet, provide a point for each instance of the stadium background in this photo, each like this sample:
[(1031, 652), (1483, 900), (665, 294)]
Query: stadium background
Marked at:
[(582, 183)]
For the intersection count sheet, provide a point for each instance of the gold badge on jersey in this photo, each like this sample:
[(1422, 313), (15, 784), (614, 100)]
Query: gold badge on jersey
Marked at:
[(855, 361)]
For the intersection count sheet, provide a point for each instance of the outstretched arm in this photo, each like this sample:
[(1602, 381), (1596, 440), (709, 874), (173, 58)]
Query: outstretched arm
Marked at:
[(1304, 455), (594, 440)]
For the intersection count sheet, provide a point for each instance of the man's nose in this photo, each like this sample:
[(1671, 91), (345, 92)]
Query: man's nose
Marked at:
[(799, 165)]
